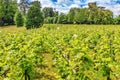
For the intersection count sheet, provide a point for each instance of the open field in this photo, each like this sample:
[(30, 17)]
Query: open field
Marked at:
[(60, 52), (49, 26), (11, 28)]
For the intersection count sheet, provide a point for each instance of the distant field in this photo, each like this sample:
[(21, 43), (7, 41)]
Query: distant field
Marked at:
[(60, 52), (14, 28), (11, 28)]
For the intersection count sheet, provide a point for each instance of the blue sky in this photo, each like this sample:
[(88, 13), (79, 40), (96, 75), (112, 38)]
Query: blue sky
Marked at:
[(65, 5)]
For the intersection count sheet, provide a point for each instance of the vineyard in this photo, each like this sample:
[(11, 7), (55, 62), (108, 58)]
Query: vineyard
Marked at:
[(75, 52)]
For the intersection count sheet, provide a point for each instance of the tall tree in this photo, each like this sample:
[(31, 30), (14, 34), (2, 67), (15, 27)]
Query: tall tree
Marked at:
[(98, 15), (19, 20), (8, 9), (34, 18), (81, 16), (71, 14), (116, 20), (107, 17), (92, 12), (1, 13)]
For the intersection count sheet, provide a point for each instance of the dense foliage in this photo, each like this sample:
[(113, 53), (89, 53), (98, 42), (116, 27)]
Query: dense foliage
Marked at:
[(92, 15), (19, 20), (8, 9), (62, 19), (81, 16), (80, 52), (19, 54), (34, 18), (50, 15)]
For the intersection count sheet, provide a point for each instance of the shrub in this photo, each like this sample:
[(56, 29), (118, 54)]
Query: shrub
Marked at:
[(19, 20), (34, 18)]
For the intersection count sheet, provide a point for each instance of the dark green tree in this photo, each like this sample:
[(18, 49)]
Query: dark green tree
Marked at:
[(1, 13), (19, 20), (34, 18), (8, 9)]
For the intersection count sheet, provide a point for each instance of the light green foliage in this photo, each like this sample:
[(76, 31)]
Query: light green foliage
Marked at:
[(91, 15), (62, 19), (87, 53), (19, 20), (99, 16), (81, 16), (79, 52), (49, 20), (55, 19), (71, 14), (19, 54), (107, 17)]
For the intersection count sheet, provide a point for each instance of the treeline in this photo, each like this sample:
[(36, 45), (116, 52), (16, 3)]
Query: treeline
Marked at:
[(30, 14), (92, 15), (24, 13)]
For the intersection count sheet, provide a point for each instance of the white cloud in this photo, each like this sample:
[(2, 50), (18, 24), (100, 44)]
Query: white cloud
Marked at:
[(46, 3), (74, 5), (65, 5), (115, 9)]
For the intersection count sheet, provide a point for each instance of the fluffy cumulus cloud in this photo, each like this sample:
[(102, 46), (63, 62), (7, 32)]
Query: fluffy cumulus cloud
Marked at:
[(65, 5)]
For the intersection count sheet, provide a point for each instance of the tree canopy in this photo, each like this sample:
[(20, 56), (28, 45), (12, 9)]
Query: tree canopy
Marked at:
[(92, 15), (19, 20), (34, 17), (8, 9)]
